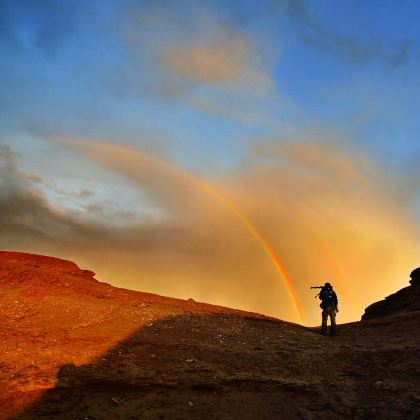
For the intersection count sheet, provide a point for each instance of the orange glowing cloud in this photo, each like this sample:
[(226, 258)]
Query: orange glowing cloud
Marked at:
[(331, 215), (343, 218), (222, 58), (123, 154)]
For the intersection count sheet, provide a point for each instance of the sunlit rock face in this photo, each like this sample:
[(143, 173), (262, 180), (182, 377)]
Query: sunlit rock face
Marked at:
[(405, 300), (73, 347)]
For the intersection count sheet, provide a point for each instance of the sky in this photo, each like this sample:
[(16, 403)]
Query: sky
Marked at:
[(233, 152)]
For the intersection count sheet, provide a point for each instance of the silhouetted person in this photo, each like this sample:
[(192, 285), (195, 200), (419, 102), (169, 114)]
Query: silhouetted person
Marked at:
[(329, 305)]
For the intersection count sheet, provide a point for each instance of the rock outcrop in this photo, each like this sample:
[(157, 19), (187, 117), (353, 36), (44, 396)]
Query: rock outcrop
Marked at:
[(405, 300)]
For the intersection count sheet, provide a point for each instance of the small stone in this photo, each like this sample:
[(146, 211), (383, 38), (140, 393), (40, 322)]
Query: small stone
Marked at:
[(190, 404)]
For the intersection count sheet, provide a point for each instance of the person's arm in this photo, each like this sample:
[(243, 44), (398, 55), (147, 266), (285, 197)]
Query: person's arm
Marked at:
[(336, 301)]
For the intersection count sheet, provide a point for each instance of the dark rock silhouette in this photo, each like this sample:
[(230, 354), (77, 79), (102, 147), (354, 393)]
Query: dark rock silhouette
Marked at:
[(405, 300), (76, 348)]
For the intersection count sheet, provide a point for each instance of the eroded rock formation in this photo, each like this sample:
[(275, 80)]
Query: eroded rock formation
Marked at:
[(405, 300)]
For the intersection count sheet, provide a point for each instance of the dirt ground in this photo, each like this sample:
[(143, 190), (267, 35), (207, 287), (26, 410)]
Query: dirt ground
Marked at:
[(74, 348)]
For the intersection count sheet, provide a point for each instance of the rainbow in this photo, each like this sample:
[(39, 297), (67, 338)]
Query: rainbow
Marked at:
[(210, 190)]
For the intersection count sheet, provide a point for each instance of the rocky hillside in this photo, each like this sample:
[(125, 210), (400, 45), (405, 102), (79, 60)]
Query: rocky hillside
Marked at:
[(76, 348), (405, 300)]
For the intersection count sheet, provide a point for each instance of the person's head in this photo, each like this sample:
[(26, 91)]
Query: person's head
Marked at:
[(328, 286)]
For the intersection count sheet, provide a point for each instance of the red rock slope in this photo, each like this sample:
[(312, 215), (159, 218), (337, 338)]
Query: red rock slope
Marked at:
[(75, 348)]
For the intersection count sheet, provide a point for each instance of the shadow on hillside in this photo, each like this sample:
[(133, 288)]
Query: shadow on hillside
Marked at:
[(187, 366), (224, 366)]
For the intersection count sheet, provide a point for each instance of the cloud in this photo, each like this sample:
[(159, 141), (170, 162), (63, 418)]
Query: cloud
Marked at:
[(25, 214), (315, 34), (321, 207), (219, 59), (195, 58), (191, 252), (332, 213), (329, 212)]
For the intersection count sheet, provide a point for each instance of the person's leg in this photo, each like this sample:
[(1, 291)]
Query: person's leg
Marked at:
[(333, 325), (324, 321)]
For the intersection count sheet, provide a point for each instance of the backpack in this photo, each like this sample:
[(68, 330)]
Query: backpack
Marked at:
[(327, 297)]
